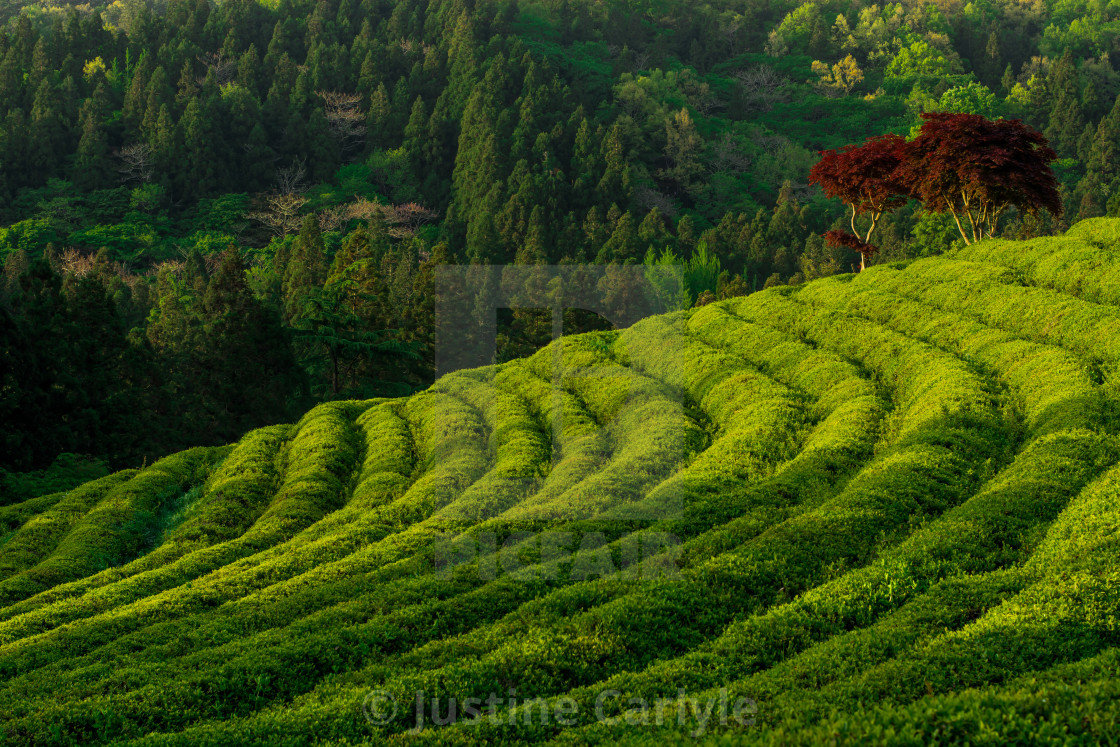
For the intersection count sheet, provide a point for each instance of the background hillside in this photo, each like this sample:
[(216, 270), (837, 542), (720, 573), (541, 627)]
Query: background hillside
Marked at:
[(896, 496), (139, 140)]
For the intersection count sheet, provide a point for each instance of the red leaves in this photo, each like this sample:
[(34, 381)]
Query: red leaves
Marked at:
[(864, 176), (976, 167), (843, 238), (973, 167)]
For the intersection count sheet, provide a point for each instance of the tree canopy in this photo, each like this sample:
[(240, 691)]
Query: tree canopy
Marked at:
[(963, 164)]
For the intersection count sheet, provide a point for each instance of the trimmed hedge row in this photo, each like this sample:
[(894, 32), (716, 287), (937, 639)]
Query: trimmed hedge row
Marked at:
[(44, 529), (232, 499), (320, 461), (456, 650), (982, 530), (987, 294), (902, 473), (117, 527), (882, 491), (13, 516), (653, 616), (1048, 384), (510, 455), (995, 529), (990, 531), (1083, 262), (250, 610)]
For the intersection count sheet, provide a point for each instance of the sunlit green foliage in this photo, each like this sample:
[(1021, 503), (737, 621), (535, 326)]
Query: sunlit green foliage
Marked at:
[(896, 488)]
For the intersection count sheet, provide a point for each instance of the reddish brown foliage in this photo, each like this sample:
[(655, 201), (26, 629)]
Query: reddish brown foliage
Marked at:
[(972, 167), (866, 178), (851, 241), (976, 168)]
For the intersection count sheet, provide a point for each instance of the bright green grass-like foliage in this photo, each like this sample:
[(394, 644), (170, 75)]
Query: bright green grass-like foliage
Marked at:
[(884, 508)]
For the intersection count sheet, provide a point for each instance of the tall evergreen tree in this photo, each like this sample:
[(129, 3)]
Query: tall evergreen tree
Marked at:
[(92, 166), (305, 271)]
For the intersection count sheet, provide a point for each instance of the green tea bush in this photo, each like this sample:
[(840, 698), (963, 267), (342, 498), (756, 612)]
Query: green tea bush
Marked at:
[(882, 507)]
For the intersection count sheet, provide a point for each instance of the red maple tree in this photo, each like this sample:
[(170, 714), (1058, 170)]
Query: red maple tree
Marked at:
[(867, 178), (975, 168)]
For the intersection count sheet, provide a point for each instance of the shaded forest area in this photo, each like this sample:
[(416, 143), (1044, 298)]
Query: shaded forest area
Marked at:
[(218, 215)]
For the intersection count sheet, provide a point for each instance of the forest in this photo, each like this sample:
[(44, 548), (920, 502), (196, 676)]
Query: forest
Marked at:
[(193, 192)]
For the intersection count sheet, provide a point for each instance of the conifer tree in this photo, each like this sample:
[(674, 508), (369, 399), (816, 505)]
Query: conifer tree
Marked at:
[(242, 335), (48, 134), (1104, 155), (623, 244), (306, 269), (92, 167), (1066, 120)]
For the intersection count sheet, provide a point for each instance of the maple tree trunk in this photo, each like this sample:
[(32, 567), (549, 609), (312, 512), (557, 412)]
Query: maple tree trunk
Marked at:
[(960, 228)]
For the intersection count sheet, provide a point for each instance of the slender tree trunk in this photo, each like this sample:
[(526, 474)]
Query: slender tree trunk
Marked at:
[(334, 371), (871, 229), (957, 219)]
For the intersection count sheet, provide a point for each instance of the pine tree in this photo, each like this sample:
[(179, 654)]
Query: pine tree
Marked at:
[(1008, 80), (462, 59), (652, 229), (483, 242), (1104, 155), (242, 335), (623, 244), (536, 248), (683, 147), (379, 119), (135, 97), (48, 133), (585, 167), (249, 72), (1066, 119), (92, 167), (40, 65), (480, 162), (199, 161), (415, 133), (306, 269), (188, 86)]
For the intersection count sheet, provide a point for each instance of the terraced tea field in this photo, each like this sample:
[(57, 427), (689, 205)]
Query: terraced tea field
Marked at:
[(881, 508)]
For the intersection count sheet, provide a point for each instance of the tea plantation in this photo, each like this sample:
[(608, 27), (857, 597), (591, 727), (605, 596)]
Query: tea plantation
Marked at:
[(881, 508)]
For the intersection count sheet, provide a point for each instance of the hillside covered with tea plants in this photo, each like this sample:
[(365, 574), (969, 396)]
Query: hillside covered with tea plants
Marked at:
[(882, 507)]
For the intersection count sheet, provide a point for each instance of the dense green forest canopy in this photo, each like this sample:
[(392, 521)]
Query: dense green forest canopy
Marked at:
[(191, 191)]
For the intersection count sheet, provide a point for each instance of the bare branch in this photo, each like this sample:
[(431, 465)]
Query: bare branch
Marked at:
[(648, 198), (403, 220), (137, 162), (331, 219), (345, 118), (761, 86), (290, 180), (281, 215), (729, 155), (225, 69)]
